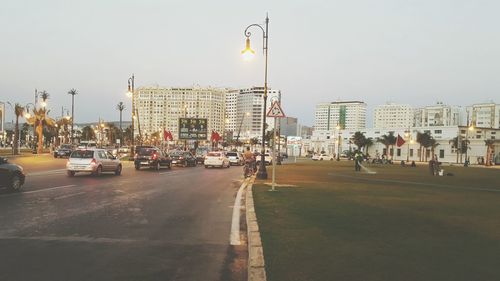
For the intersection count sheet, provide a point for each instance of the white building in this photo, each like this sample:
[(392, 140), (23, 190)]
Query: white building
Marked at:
[(2, 123), (160, 108), (438, 115), (250, 110), (393, 116), (346, 114), (231, 109), (486, 115)]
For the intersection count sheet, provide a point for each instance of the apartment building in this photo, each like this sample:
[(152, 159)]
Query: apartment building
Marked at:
[(346, 114), (438, 115), (485, 115), (392, 115)]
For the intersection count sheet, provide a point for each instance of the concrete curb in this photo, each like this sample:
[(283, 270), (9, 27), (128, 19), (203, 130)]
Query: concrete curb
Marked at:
[(256, 265)]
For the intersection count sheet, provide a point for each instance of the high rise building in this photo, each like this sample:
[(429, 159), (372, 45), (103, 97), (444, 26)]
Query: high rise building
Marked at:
[(231, 109), (438, 115), (346, 114), (160, 108), (485, 115), (393, 116), (289, 126), (250, 106)]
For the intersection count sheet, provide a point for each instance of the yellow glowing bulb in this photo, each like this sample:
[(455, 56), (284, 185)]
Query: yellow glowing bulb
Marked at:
[(27, 115), (248, 53)]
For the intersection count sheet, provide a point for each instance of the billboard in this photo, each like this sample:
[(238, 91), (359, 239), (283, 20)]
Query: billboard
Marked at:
[(192, 128)]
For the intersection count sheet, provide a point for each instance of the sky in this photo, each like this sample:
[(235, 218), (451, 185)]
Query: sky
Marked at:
[(415, 52)]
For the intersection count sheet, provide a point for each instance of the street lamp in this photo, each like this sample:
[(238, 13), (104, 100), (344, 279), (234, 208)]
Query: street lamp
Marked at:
[(248, 54), (130, 93), (470, 128), (408, 136), (338, 142)]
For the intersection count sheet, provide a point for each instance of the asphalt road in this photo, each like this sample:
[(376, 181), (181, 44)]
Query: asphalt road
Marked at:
[(143, 225)]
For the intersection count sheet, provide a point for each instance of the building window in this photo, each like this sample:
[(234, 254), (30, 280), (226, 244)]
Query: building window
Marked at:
[(411, 152), (398, 151), (441, 153)]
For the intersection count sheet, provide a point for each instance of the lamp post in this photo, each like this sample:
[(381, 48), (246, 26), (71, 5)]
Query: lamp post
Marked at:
[(408, 139), (338, 143), (130, 93), (247, 54), (72, 92)]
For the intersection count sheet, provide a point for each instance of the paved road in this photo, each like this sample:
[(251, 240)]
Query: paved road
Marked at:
[(142, 225)]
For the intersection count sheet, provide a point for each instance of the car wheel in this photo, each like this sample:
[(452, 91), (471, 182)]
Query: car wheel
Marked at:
[(206, 167), (137, 167), (16, 182), (158, 166), (118, 170), (71, 173), (55, 156), (320, 159), (98, 172)]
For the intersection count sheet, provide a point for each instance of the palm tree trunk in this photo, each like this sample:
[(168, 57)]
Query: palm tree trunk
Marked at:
[(15, 150)]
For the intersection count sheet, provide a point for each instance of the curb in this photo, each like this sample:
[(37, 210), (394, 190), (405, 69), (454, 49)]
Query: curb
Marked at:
[(256, 264)]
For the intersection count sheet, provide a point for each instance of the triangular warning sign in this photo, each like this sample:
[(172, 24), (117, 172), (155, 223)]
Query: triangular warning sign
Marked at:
[(275, 111)]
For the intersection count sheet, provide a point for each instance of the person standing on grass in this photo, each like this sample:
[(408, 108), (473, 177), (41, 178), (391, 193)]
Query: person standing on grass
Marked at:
[(432, 166), (358, 158)]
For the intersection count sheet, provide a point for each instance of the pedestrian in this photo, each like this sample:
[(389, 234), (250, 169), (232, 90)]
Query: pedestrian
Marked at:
[(358, 158), (436, 165), (431, 166)]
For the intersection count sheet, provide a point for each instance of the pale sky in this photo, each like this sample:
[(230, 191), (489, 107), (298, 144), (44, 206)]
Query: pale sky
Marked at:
[(404, 51)]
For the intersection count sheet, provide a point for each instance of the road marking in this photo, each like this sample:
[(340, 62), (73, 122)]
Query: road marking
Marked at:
[(69, 195), (235, 224), (48, 189), (58, 171)]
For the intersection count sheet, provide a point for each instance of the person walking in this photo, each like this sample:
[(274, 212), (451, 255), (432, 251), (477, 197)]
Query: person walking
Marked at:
[(432, 166), (358, 158)]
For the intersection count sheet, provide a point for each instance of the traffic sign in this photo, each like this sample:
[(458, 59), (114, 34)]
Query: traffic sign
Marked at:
[(275, 111)]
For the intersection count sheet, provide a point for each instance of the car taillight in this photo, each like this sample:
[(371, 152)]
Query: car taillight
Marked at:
[(155, 156), (180, 158), (135, 156), (93, 162)]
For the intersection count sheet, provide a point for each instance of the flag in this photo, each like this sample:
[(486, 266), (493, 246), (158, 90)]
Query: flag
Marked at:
[(400, 141), (167, 135), (215, 136)]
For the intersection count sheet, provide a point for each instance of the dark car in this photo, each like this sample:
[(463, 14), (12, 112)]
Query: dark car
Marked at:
[(11, 175), (64, 150), (152, 157), (183, 158)]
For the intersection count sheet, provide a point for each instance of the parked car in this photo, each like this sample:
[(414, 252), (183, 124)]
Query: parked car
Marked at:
[(235, 158), (322, 156), (94, 161), (183, 158), (151, 157), (64, 150), (217, 159), (11, 175), (268, 159), (200, 155)]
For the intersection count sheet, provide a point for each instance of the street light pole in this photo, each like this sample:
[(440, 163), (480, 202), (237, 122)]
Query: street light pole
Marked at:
[(338, 143), (262, 172), (131, 93)]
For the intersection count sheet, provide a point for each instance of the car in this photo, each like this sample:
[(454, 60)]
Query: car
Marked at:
[(94, 161), (322, 156), (200, 155), (64, 150), (183, 158), (268, 159), (124, 150), (11, 175), (151, 157), (235, 158), (216, 159)]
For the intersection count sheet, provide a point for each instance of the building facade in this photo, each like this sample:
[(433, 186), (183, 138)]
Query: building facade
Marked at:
[(160, 108), (346, 114), (3, 133), (393, 116), (484, 115), (439, 115)]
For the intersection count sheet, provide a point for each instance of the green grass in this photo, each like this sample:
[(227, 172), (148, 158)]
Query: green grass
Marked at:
[(398, 224)]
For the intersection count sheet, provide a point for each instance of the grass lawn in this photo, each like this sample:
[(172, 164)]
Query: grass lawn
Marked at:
[(398, 224)]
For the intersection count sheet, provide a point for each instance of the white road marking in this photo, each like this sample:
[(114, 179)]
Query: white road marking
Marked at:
[(48, 189), (235, 224), (58, 171), (69, 195)]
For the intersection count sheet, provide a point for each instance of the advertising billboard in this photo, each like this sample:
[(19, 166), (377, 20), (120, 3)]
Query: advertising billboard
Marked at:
[(192, 128)]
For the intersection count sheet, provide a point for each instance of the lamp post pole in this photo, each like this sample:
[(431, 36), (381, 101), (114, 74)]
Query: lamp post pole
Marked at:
[(262, 172), (131, 93), (338, 143)]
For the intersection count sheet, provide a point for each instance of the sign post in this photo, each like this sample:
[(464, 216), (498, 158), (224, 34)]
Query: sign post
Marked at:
[(276, 112)]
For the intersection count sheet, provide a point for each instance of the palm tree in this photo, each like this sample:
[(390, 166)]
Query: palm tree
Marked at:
[(359, 140), (489, 148), (88, 133), (387, 140), (455, 144), (368, 143), (120, 107), (18, 111), (72, 92), (40, 119)]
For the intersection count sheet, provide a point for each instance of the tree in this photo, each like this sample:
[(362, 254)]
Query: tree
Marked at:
[(455, 145), (387, 140), (489, 148), (254, 142), (39, 120), (72, 92), (88, 133), (359, 139), (368, 143), (425, 140), (18, 111)]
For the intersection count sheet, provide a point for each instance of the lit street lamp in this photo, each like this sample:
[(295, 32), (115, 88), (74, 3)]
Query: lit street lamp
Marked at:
[(248, 54), (131, 93)]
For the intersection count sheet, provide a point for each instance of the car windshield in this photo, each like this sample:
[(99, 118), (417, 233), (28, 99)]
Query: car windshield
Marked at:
[(66, 146), (214, 154), (82, 154), (146, 151), (232, 154)]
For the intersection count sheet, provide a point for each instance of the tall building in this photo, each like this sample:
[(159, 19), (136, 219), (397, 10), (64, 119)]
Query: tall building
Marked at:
[(160, 108), (289, 126), (231, 109), (250, 109), (346, 114), (393, 116), (438, 115), (485, 115)]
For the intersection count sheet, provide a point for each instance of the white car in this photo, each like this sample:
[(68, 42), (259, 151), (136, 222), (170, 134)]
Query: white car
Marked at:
[(322, 156), (235, 158), (216, 159), (94, 161), (268, 159)]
